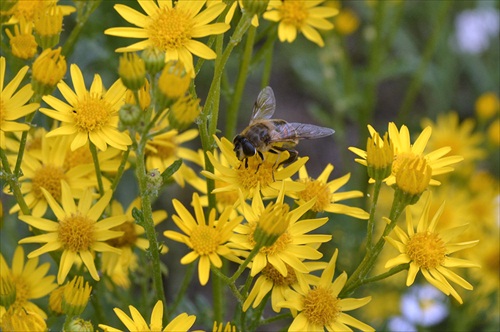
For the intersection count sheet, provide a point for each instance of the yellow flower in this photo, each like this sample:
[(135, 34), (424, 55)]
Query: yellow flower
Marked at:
[(184, 112), (13, 105), (173, 82), (320, 307), (132, 71), (494, 132), (405, 152), (346, 22), (460, 137), (135, 322), (259, 176), (78, 233), (31, 9), (487, 105), (224, 328), (91, 115), (16, 319), (163, 149), (300, 15), (428, 251), (293, 245), (48, 70), (22, 42), (48, 26), (76, 296), (379, 157), (172, 29), (271, 280), (46, 169), (326, 193), (30, 281), (207, 240)]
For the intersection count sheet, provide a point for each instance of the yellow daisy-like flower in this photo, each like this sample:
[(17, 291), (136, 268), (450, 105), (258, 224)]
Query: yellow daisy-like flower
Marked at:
[(135, 322), (31, 9), (428, 251), (162, 150), (300, 15), (271, 280), (16, 319), (326, 193), (21, 40), (460, 137), (90, 114), (207, 240), (293, 245), (30, 280), (406, 153), (13, 105), (78, 233), (254, 178), (320, 307), (47, 172), (172, 29)]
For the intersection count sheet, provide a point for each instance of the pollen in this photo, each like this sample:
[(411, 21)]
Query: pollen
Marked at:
[(279, 246), (318, 190), (76, 232), (171, 29), (128, 238), (91, 114), (294, 13), (277, 278), (321, 307), (426, 249), (205, 240), (49, 178), (256, 173)]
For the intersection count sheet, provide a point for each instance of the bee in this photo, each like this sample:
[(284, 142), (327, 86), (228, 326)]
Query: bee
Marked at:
[(264, 134)]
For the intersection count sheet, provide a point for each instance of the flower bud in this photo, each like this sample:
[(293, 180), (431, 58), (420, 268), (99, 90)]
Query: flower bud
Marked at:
[(184, 112), (154, 60), (412, 178), (48, 70), (173, 83), (132, 71), (76, 296), (7, 291), (255, 7), (272, 224), (379, 157), (79, 325), (48, 26), (129, 115)]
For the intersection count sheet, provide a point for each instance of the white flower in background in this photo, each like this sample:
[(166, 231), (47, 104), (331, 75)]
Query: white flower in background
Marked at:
[(424, 305), (399, 324), (474, 29)]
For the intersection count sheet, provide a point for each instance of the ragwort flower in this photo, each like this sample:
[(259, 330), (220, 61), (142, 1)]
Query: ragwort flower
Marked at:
[(14, 105), (320, 307), (207, 240), (90, 115), (78, 233), (428, 251), (135, 322), (172, 29), (300, 15), (30, 280), (293, 245)]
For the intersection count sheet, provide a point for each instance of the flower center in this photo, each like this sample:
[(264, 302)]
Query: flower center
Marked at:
[(80, 156), (399, 160), (426, 249), (277, 278), (413, 173), (49, 178), (294, 13), (128, 238), (76, 232), (321, 307), (279, 246), (205, 240), (256, 173), (91, 114), (320, 191), (171, 29)]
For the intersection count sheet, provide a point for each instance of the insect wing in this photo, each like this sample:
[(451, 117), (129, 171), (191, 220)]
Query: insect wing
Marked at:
[(309, 131), (264, 105)]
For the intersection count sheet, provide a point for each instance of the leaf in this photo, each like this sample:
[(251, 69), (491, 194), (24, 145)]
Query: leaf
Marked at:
[(167, 174)]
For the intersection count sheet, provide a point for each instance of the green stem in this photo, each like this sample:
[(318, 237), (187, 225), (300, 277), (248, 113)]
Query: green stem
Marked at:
[(232, 112), (95, 158), (83, 16), (245, 263), (14, 184), (385, 275), (229, 283), (371, 220), (121, 169), (148, 223), (359, 275), (416, 82), (22, 145)]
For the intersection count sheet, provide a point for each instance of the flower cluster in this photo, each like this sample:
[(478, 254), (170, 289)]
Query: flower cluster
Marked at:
[(119, 186)]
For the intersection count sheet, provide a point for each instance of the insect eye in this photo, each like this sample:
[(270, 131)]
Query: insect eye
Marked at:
[(248, 148)]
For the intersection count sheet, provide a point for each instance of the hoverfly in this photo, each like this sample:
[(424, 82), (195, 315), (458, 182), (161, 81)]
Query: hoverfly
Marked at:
[(274, 135)]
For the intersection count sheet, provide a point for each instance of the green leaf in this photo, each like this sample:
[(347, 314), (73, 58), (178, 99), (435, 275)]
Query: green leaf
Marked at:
[(171, 170)]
